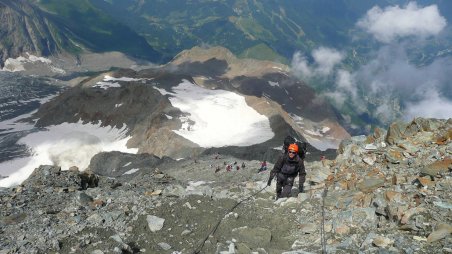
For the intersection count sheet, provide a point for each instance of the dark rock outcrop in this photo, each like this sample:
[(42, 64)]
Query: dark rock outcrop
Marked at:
[(25, 28), (117, 164)]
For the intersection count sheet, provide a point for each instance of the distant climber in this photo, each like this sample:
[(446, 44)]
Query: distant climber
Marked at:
[(263, 167), (217, 169), (286, 169), (243, 165)]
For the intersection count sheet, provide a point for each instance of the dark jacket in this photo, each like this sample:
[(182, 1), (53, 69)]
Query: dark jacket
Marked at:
[(289, 167)]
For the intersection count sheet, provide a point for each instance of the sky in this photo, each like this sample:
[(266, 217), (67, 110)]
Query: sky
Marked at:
[(389, 78)]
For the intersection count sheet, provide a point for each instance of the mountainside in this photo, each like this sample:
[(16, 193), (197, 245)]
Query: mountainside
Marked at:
[(389, 192), (158, 30), (137, 100), (24, 28), (42, 28), (271, 30)]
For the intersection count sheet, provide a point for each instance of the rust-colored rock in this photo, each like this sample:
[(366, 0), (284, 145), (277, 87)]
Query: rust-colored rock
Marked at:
[(395, 132), (392, 196), (425, 181), (437, 167), (97, 203), (342, 229), (442, 230)]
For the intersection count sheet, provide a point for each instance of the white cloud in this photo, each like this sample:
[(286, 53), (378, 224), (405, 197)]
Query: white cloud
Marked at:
[(345, 81), (337, 97), (394, 87), (385, 111), (300, 66), (431, 106), (325, 59), (393, 22), (397, 86)]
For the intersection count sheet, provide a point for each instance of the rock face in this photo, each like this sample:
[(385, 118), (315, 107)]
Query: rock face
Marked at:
[(33, 29), (165, 206), (24, 29)]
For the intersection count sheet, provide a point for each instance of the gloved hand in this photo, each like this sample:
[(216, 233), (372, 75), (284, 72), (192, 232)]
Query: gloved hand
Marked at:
[(300, 189), (269, 182)]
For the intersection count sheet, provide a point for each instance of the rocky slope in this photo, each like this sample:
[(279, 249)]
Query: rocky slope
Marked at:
[(389, 192)]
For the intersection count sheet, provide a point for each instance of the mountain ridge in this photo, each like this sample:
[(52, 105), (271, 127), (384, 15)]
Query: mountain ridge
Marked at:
[(145, 112), (30, 28)]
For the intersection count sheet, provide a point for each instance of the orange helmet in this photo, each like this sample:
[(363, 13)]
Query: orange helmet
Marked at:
[(293, 147)]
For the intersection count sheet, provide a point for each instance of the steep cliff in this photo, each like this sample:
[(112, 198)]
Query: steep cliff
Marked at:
[(25, 28), (43, 28)]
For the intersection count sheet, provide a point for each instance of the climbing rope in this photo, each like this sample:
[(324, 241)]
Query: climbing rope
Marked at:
[(198, 250), (328, 182), (322, 229)]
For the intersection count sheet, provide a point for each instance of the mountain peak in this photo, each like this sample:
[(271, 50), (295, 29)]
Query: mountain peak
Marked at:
[(236, 66)]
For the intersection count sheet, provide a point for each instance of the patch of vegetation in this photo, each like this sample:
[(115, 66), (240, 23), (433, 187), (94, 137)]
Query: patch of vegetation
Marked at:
[(252, 28), (83, 23), (263, 52)]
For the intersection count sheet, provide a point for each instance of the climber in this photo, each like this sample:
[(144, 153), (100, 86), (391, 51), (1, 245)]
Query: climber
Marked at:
[(286, 169), (263, 166)]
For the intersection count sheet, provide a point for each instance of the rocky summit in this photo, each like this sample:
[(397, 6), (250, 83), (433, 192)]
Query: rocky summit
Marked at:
[(389, 192)]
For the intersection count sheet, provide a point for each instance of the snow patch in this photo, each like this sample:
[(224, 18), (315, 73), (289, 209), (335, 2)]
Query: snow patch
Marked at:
[(216, 118), (17, 64), (127, 79), (107, 82), (133, 170), (271, 83)]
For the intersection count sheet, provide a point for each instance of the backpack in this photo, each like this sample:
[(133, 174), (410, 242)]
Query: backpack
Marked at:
[(302, 149), (302, 146), (287, 141)]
